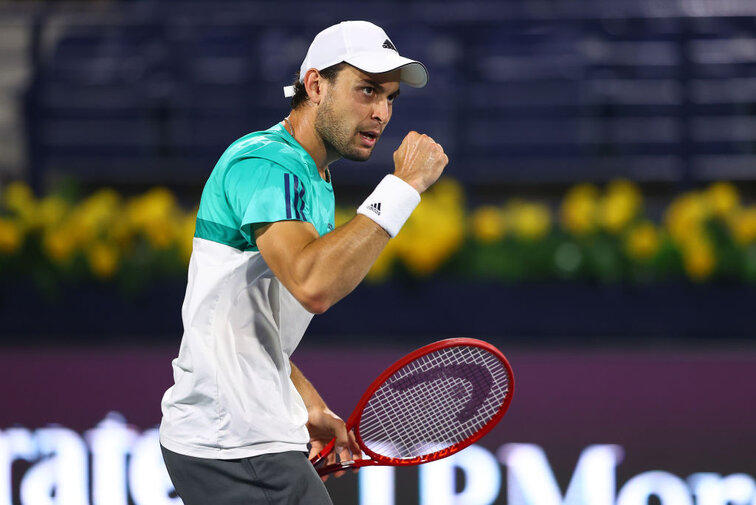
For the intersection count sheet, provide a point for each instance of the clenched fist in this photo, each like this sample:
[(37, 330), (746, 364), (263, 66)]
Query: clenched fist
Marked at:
[(419, 161)]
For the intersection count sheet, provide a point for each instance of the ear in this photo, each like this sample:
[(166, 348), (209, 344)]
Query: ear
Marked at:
[(315, 86)]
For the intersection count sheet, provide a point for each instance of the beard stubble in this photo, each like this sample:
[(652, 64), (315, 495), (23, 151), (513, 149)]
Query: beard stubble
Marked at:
[(335, 133)]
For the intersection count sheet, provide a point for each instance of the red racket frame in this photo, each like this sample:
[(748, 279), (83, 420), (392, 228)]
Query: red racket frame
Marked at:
[(377, 459)]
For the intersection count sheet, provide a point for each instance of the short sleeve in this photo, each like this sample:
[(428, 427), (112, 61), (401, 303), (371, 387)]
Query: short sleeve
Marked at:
[(262, 191)]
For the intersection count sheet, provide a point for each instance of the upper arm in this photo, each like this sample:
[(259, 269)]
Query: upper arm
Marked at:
[(271, 204), (281, 244)]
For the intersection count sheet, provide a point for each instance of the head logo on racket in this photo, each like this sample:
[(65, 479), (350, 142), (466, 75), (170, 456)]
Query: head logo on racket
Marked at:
[(479, 378)]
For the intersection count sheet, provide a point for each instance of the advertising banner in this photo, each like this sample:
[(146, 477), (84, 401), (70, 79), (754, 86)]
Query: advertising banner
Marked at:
[(594, 427)]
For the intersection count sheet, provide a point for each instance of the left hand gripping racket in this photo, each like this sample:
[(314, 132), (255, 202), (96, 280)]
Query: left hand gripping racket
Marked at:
[(430, 404)]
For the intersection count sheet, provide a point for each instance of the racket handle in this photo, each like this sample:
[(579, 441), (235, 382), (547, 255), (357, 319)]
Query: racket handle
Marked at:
[(322, 454), (344, 465), (336, 467)]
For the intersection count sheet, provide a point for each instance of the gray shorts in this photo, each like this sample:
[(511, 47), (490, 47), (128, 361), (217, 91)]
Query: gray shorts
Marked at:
[(285, 478)]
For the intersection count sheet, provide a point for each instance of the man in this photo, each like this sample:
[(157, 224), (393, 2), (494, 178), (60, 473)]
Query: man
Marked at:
[(266, 258)]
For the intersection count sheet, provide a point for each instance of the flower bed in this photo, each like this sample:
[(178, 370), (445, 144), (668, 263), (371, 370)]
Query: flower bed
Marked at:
[(596, 234)]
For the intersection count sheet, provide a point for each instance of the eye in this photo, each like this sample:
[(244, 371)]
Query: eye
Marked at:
[(391, 98), (369, 91)]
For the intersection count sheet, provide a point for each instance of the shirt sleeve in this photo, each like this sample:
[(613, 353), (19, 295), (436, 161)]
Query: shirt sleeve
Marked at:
[(262, 191)]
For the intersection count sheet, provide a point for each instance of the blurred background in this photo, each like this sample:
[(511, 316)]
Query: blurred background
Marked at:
[(597, 222)]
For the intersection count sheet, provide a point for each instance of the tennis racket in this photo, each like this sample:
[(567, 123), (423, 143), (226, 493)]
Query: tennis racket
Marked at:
[(429, 405)]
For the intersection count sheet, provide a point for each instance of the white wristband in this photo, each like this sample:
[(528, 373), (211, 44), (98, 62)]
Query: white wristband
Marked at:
[(390, 204)]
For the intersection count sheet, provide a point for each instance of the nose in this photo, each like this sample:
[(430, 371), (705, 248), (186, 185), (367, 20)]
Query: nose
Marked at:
[(381, 111)]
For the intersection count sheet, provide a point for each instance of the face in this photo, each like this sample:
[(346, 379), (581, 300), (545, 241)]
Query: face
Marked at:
[(355, 110)]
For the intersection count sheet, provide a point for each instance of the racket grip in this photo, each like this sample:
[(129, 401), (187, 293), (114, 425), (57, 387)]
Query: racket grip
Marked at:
[(345, 465), (337, 467), (322, 454)]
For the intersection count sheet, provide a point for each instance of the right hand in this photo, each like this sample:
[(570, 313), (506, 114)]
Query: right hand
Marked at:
[(323, 425), (419, 161)]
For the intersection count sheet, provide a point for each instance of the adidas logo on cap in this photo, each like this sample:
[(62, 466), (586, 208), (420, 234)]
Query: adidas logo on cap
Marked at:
[(389, 45)]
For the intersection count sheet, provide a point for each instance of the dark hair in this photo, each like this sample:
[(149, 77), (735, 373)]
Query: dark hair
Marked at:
[(300, 93)]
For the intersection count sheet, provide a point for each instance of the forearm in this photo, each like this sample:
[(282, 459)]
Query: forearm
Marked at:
[(306, 390), (321, 270), (322, 424), (330, 267)]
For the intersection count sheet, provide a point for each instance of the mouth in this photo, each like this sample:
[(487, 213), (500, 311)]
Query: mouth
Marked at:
[(369, 138)]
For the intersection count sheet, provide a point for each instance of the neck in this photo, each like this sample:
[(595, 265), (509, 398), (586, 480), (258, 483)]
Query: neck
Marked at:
[(301, 125)]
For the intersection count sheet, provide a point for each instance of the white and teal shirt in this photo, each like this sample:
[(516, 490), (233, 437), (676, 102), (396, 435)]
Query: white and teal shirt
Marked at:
[(232, 396)]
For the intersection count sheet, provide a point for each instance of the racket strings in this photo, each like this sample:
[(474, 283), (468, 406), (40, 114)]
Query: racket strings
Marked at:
[(435, 402)]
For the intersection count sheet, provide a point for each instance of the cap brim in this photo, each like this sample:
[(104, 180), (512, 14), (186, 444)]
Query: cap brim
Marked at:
[(413, 73)]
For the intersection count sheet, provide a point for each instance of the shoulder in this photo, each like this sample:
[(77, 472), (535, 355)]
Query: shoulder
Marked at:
[(265, 148)]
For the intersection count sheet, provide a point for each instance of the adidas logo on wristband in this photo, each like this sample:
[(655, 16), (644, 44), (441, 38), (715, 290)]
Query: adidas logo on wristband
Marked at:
[(402, 200), (375, 207)]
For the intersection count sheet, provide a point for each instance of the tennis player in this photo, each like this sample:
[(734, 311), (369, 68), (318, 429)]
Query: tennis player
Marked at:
[(266, 257)]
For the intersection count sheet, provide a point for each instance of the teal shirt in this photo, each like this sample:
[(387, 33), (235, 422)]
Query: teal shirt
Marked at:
[(263, 177)]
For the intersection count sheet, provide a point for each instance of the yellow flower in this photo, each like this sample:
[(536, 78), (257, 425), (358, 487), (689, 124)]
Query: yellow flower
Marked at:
[(94, 216), (59, 244), (11, 236), (120, 233), (103, 260), (156, 215), (685, 216), (579, 208), (698, 258), (434, 231), (619, 206), (743, 225), (155, 204), (104, 204), (449, 192), (422, 259), (529, 221), (642, 242), (162, 232), (19, 199), (722, 198), (52, 211), (16, 195), (488, 224)]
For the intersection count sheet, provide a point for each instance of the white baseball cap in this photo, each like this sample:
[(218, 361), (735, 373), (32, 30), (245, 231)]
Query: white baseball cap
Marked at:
[(364, 46)]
